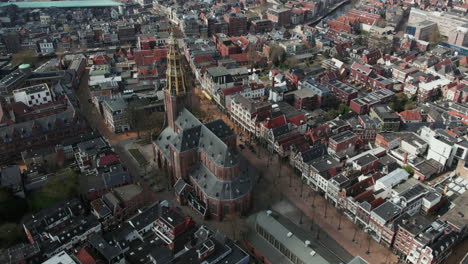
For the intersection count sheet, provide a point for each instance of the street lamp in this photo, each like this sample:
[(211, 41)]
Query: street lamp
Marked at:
[(339, 220), (367, 230), (326, 209), (354, 236)]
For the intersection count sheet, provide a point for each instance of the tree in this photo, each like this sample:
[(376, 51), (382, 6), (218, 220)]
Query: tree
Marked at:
[(135, 118), (239, 229), (12, 208), (330, 115), (435, 37), (408, 169), (27, 57), (11, 234), (277, 54)]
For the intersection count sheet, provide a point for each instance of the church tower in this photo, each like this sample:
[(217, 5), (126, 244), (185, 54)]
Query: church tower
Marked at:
[(175, 95)]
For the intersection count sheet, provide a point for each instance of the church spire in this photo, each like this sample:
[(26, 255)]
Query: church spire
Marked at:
[(175, 78)]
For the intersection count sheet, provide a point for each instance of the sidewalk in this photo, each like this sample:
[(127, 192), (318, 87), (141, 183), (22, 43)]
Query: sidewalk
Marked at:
[(378, 254)]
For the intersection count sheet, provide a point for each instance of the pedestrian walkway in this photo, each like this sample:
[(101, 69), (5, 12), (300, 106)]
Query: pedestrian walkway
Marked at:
[(323, 213)]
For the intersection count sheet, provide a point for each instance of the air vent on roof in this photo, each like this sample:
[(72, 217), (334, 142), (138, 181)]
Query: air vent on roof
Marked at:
[(289, 234)]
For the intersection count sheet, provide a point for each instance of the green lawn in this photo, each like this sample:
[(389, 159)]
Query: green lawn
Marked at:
[(138, 156), (64, 185)]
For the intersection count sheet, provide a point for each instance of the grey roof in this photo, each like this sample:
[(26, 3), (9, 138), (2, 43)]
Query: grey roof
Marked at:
[(47, 123), (115, 104), (185, 120), (115, 176), (92, 146), (413, 192), (387, 210), (365, 159), (223, 189), (10, 176), (313, 153), (289, 240), (324, 163), (217, 71)]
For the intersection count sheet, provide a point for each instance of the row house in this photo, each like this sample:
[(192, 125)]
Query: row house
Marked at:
[(334, 187), (362, 105), (321, 91), (364, 127), (402, 71), (76, 231), (387, 119), (343, 144), (364, 163), (354, 197), (410, 199), (408, 229), (248, 113), (320, 171), (360, 73), (300, 159), (433, 244), (215, 79), (342, 91), (291, 141), (380, 221), (319, 134)]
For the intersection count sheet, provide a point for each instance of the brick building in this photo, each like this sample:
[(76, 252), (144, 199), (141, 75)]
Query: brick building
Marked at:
[(237, 24), (279, 15), (201, 156)]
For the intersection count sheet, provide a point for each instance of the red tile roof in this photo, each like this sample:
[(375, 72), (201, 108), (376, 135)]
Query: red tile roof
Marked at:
[(275, 122), (84, 257), (410, 115), (108, 159), (296, 120)]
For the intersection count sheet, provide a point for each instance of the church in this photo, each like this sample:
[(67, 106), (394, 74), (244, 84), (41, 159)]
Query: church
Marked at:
[(208, 172)]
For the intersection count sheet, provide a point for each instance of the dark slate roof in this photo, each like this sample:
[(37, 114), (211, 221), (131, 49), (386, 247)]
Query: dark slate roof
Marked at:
[(107, 250), (445, 243), (223, 189), (324, 163), (313, 153), (186, 120), (206, 137), (179, 186), (219, 128), (115, 176), (281, 130), (146, 217), (166, 138)]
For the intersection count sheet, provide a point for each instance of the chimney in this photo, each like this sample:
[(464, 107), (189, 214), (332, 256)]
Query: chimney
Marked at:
[(272, 81), (307, 243), (405, 159)]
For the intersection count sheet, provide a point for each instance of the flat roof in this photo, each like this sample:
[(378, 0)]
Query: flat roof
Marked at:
[(63, 4)]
